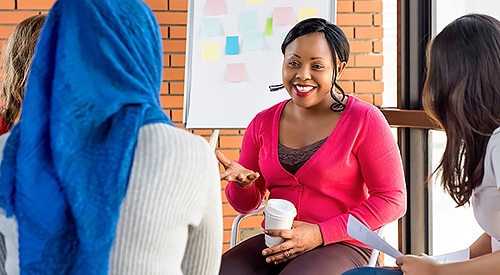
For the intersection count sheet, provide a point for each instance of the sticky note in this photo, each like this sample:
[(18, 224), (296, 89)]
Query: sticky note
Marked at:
[(253, 41), (269, 27), (236, 72), (283, 16), (305, 13), (248, 22), (215, 7), (210, 51), (256, 2), (232, 45), (210, 26)]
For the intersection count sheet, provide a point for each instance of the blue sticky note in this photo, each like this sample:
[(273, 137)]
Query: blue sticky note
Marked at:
[(253, 41), (248, 22), (232, 45), (210, 26)]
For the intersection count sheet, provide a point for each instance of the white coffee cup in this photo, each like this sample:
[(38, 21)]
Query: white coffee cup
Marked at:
[(279, 214)]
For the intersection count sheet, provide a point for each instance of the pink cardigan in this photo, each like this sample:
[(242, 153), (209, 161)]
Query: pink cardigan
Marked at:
[(357, 171)]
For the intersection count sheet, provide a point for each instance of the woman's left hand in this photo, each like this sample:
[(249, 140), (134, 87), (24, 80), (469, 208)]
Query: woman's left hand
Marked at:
[(421, 265), (301, 238)]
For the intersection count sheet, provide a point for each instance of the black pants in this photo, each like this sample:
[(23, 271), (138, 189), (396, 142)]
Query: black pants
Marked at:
[(246, 259)]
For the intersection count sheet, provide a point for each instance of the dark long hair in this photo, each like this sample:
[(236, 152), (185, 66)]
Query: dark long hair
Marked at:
[(462, 93), (338, 43)]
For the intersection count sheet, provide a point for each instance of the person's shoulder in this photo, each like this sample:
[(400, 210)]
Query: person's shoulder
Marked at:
[(360, 105), (362, 109), (168, 136)]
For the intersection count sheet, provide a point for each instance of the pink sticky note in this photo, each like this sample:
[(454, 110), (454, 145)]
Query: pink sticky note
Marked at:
[(236, 72), (215, 7), (283, 16)]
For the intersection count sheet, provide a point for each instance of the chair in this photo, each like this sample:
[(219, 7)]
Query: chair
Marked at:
[(237, 220)]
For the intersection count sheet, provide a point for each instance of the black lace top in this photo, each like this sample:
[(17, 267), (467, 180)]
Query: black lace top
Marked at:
[(292, 159)]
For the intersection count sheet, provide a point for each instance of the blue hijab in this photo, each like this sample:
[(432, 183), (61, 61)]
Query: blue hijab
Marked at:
[(94, 81)]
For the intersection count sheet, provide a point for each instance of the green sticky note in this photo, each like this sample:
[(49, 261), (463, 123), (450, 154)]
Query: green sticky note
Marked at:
[(269, 27)]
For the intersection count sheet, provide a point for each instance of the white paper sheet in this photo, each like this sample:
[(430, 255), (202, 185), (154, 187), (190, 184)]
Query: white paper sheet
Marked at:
[(457, 256), (360, 232)]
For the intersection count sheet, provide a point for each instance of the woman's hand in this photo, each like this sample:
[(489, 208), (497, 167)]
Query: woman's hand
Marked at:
[(298, 240), (235, 172), (421, 265)]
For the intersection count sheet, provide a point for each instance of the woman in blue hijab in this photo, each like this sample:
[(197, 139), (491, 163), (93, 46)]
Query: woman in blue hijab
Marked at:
[(95, 174)]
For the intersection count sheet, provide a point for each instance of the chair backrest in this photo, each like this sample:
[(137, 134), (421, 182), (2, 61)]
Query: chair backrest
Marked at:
[(236, 224)]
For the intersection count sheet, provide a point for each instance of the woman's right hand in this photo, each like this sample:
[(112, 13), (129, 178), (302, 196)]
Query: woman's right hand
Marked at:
[(235, 172)]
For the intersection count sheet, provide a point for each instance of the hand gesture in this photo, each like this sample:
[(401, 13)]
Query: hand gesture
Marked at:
[(298, 240), (235, 172)]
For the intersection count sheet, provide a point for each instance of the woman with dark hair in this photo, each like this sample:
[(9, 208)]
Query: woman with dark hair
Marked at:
[(462, 94), (329, 154)]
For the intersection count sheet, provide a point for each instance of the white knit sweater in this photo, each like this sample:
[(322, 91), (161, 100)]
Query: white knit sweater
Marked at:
[(171, 218)]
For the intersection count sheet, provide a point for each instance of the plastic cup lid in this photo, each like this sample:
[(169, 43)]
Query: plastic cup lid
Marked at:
[(280, 208)]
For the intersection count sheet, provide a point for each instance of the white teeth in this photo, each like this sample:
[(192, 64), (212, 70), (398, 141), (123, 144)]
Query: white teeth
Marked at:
[(304, 88)]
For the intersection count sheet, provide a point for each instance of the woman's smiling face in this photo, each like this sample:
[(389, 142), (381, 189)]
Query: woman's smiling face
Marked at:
[(308, 70)]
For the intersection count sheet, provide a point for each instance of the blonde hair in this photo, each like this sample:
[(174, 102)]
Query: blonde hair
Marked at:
[(17, 54)]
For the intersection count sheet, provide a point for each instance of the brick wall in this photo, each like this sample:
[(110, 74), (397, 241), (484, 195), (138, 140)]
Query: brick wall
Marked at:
[(361, 20)]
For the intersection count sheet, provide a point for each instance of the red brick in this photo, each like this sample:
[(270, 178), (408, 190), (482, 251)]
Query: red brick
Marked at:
[(174, 46), (178, 5), (176, 88), (177, 60), (345, 6), (178, 32), (368, 61), (171, 101), (173, 73), (230, 141), (5, 31), (157, 4), (176, 115), (378, 74), (368, 32), (14, 17), (349, 31), (354, 19), (378, 19), (357, 74), (365, 97), (368, 6), (369, 87), (34, 4), (377, 46), (361, 46), (7, 4), (171, 18), (347, 86)]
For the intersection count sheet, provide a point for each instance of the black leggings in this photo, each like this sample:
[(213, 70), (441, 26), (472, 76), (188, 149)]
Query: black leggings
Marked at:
[(333, 259)]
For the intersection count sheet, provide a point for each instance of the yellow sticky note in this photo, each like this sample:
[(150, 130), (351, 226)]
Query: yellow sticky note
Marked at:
[(256, 2), (305, 13), (210, 51)]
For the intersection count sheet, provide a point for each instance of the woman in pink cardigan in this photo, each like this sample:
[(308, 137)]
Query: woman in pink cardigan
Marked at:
[(329, 154)]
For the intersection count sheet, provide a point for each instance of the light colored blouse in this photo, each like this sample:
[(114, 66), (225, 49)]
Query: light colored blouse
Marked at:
[(486, 197)]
